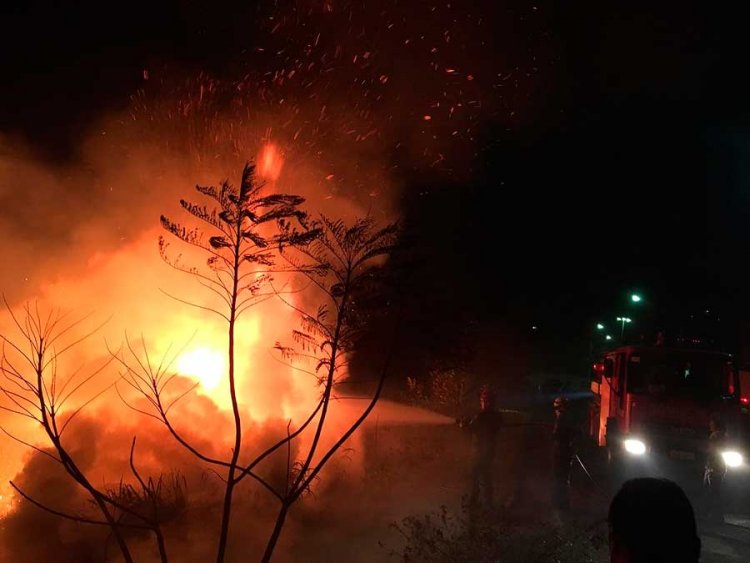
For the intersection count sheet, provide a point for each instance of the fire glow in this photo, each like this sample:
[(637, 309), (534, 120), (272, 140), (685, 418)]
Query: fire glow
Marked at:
[(270, 162), (204, 364)]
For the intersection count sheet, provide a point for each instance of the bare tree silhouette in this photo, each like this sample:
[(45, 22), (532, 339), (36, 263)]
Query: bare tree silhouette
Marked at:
[(339, 263), (245, 231), (33, 387), (251, 237)]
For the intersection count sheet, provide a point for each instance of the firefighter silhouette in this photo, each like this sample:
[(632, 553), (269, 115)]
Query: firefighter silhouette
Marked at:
[(484, 427), (715, 471), (562, 455)]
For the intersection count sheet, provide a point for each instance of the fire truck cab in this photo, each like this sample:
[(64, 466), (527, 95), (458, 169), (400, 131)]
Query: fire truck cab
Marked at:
[(655, 402)]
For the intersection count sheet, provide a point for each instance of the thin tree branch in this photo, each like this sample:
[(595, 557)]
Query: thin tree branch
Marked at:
[(32, 446), (209, 309), (72, 517)]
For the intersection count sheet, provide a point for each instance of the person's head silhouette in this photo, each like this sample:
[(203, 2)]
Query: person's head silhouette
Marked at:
[(652, 521)]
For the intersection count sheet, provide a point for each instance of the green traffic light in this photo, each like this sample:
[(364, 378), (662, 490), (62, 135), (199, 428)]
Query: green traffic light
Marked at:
[(635, 298), (599, 326)]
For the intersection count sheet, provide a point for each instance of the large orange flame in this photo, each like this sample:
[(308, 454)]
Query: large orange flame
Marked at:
[(270, 162)]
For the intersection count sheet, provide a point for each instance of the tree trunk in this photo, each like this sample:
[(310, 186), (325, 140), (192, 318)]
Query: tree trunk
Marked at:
[(273, 540)]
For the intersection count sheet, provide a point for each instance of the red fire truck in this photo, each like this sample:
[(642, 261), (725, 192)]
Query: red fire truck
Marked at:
[(654, 403)]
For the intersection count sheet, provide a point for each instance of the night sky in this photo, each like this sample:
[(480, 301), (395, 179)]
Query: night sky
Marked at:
[(619, 165)]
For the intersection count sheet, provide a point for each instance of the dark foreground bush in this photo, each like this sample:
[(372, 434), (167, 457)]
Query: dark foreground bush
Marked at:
[(443, 537)]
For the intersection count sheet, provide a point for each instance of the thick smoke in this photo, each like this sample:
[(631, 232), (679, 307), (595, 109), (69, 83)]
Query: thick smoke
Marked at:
[(101, 441), (408, 463)]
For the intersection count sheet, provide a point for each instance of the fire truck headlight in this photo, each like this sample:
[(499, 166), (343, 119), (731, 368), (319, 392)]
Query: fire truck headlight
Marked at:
[(732, 458), (635, 447)]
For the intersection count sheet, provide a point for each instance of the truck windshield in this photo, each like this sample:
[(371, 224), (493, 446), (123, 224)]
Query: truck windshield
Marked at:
[(679, 373)]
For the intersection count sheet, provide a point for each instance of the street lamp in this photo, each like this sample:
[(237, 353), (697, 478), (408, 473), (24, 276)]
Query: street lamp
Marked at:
[(599, 326), (623, 320), (608, 337)]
